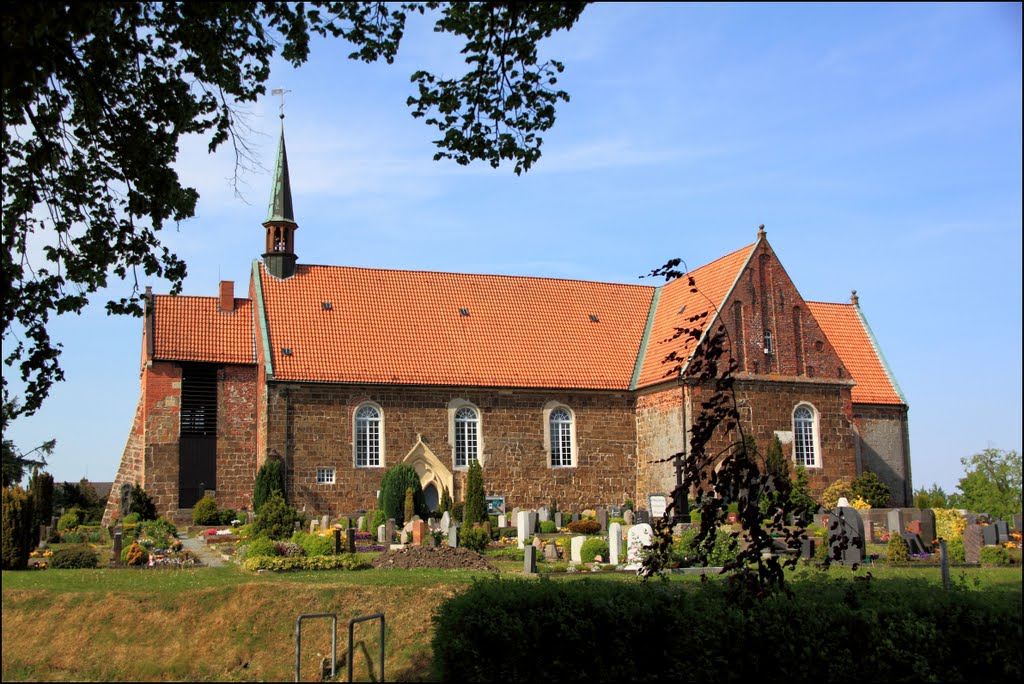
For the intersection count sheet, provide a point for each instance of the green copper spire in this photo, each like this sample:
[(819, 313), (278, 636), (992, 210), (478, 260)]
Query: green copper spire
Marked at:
[(280, 208)]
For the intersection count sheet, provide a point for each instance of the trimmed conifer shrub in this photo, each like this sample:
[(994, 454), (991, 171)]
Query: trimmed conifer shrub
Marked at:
[(142, 503), (74, 558), (269, 479), (408, 509), (205, 512), (276, 519), (868, 487), (476, 499), (897, 551), (41, 490), (17, 528), (393, 484)]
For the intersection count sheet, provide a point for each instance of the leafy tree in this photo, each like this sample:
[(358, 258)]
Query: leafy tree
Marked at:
[(269, 479), (992, 483), (16, 464), (82, 496), (276, 519), (934, 497), (97, 95), (476, 498), (868, 487)]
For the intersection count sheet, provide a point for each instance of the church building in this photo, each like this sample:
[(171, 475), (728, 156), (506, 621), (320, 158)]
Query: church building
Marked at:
[(558, 388)]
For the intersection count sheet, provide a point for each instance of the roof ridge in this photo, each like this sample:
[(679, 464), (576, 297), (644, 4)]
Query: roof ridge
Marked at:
[(185, 296)]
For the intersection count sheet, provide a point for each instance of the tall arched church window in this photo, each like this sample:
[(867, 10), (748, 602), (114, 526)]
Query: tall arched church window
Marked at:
[(805, 437), (368, 436), (467, 436), (560, 422)]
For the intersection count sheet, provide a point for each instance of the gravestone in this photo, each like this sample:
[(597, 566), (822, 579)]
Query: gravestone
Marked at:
[(446, 521), (973, 541), (990, 535), (550, 552), (576, 546), (807, 548), (928, 533), (337, 541), (453, 536), (558, 520), (530, 560), (537, 543), (350, 538), (117, 547), (914, 527), (390, 530), (615, 511), (971, 518), (314, 525), (657, 503), (420, 530), (432, 541), (642, 517), (531, 522), (1017, 522), (846, 521), (614, 543), (639, 537), (502, 520), (382, 535), (325, 522), (895, 521), (915, 545), (250, 517), (543, 514), (602, 518), (627, 515), (522, 523), (869, 530), (361, 522), (126, 500), (1003, 530), (514, 520), (404, 538), (575, 517)]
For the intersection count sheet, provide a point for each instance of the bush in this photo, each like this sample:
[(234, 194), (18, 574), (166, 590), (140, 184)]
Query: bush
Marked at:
[(261, 546), (838, 489), (949, 523), (158, 529), (585, 527), (68, 521), (289, 549), (205, 512), (142, 503), (276, 519), (393, 484), (548, 527), (74, 558), (269, 479), (897, 551), (592, 548), (994, 555), (17, 528), (733, 641), (131, 518), (135, 554), (867, 486), (345, 561), (722, 549), (227, 515), (457, 510), (476, 499), (314, 544), (474, 538), (955, 549)]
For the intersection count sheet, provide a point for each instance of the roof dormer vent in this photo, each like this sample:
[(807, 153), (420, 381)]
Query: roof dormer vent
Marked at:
[(287, 351), (463, 311), (326, 306), (594, 319)]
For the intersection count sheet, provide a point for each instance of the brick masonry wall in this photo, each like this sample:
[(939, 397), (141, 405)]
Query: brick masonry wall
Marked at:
[(659, 434), (311, 425), (883, 446), (130, 469), (766, 407), (161, 383), (236, 436)]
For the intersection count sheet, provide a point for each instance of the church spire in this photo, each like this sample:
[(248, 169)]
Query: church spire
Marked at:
[(280, 225)]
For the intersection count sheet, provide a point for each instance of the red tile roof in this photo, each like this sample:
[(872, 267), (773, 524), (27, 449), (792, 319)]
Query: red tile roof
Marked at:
[(405, 327), (713, 282), (192, 329), (847, 333)]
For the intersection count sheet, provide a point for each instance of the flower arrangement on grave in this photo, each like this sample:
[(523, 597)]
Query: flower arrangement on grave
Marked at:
[(860, 504)]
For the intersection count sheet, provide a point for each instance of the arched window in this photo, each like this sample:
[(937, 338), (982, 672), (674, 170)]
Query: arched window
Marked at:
[(805, 437), (467, 436), (368, 437), (560, 425)]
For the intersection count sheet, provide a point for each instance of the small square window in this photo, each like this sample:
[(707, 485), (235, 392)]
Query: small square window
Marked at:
[(325, 475)]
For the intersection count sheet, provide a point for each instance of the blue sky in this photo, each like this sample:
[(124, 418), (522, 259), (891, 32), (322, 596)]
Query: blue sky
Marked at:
[(879, 144)]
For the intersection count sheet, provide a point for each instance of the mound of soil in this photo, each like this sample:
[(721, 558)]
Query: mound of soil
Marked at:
[(443, 558)]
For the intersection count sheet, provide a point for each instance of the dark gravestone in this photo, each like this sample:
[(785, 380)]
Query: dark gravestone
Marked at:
[(575, 517), (944, 560), (389, 530), (807, 548), (350, 537), (117, 548), (615, 511), (914, 543), (558, 520), (126, 500), (1003, 530), (894, 521), (337, 541), (1017, 522), (846, 535), (642, 517), (989, 535), (973, 541), (971, 518), (602, 518), (530, 560), (928, 533)]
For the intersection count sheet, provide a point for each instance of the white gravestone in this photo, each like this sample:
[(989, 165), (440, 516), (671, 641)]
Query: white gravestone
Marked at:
[(522, 524), (502, 520), (446, 521), (640, 537), (614, 543), (577, 548)]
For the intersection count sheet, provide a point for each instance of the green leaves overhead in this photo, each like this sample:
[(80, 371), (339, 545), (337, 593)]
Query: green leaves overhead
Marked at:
[(96, 97)]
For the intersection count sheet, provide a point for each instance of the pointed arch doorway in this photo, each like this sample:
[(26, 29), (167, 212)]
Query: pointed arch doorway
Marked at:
[(434, 475)]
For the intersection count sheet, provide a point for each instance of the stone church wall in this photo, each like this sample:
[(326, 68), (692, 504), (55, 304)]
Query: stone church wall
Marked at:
[(884, 447)]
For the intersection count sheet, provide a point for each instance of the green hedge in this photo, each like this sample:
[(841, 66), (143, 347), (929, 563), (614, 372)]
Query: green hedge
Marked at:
[(74, 558), (343, 562), (891, 630)]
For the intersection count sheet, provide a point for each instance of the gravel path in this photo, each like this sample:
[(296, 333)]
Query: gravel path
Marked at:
[(208, 556)]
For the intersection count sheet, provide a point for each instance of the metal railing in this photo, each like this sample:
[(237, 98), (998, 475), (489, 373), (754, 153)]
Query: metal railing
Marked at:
[(334, 640)]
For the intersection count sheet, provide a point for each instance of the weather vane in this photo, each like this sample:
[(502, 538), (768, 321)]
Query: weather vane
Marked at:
[(281, 92)]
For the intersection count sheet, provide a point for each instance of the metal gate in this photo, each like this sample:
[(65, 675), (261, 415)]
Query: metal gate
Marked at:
[(197, 444)]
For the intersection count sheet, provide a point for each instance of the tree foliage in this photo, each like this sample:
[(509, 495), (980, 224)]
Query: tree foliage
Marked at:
[(476, 498), (992, 483), (933, 497), (41, 490), (393, 484), (867, 486), (16, 463), (269, 479), (97, 95), (17, 528)]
